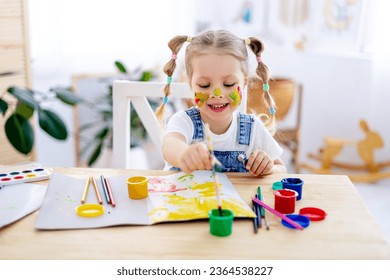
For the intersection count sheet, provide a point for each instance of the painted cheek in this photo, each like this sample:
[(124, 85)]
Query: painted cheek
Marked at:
[(200, 98), (236, 97)]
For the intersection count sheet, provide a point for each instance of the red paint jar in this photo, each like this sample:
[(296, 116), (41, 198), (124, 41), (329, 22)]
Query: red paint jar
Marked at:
[(285, 201)]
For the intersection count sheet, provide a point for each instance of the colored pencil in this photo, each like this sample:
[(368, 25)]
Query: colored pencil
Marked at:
[(105, 189), (99, 198), (255, 220), (258, 213), (110, 192), (84, 197), (262, 212), (266, 221), (260, 197), (277, 213)]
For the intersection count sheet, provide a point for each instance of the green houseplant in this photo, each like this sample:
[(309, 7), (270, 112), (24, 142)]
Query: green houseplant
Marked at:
[(99, 131), (17, 105)]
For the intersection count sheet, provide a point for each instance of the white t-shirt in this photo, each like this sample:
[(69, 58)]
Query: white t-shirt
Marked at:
[(261, 139)]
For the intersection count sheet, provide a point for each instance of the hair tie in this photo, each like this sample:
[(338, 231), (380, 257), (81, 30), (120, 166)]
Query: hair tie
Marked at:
[(165, 99), (169, 80), (189, 39), (266, 87), (272, 110), (247, 41), (258, 58), (174, 56)]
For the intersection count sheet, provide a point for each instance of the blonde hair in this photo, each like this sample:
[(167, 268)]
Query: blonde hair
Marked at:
[(220, 42)]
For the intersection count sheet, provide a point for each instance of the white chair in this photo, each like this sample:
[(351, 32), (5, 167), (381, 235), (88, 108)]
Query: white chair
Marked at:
[(136, 92)]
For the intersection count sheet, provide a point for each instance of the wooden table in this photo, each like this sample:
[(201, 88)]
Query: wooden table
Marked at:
[(348, 232)]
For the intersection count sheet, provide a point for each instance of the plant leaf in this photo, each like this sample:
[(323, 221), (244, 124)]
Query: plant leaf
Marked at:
[(24, 110), (24, 95), (146, 76), (52, 124), (19, 133), (102, 134), (96, 153), (67, 96), (120, 67), (3, 106)]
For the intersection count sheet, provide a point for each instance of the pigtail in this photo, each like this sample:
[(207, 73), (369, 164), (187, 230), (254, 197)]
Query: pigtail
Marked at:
[(175, 45), (262, 71)]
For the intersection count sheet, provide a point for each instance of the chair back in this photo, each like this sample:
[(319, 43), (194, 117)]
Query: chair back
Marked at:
[(136, 93)]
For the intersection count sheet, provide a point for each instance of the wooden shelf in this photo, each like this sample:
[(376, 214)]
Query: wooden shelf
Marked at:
[(14, 65)]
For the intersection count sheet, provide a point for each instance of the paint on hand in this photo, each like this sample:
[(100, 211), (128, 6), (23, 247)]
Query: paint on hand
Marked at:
[(200, 98), (236, 96)]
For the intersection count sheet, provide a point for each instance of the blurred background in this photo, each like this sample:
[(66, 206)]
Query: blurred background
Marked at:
[(336, 50)]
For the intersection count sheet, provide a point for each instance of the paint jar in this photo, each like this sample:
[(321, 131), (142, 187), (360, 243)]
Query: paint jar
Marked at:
[(285, 201), (293, 184), (137, 187), (221, 225), (277, 186)]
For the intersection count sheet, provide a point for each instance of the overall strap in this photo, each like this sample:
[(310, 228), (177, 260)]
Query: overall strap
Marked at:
[(245, 123), (194, 115)]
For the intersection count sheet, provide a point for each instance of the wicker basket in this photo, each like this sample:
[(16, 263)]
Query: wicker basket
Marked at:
[(281, 89)]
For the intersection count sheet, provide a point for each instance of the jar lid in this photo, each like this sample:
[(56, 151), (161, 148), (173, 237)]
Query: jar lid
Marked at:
[(90, 210), (313, 213), (300, 219)]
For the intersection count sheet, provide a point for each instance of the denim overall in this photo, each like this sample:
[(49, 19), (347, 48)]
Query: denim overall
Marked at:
[(228, 159)]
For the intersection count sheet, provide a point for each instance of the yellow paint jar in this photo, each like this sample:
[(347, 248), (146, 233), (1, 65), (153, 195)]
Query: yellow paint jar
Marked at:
[(137, 187)]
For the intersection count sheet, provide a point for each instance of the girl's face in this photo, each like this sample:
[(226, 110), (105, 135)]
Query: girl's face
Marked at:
[(217, 81)]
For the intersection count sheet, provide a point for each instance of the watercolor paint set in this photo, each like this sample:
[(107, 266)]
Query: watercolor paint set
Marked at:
[(19, 175)]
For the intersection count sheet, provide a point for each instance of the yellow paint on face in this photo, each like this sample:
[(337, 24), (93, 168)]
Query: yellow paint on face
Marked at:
[(201, 98), (236, 97), (217, 92)]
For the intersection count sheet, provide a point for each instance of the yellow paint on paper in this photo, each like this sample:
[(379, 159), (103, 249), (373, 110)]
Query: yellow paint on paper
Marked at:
[(177, 207)]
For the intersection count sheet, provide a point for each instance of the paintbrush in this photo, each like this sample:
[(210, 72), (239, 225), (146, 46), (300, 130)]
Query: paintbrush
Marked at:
[(215, 166)]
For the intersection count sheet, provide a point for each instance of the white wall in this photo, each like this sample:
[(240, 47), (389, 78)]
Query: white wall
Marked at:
[(70, 37), (336, 93), (380, 113)]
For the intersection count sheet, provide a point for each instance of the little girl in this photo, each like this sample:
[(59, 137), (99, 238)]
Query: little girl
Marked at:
[(217, 68)]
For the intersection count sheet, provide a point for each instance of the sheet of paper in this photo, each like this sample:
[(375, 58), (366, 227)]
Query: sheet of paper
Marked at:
[(64, 195), (17, 201)]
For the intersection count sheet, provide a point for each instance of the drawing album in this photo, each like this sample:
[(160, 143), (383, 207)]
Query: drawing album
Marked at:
[(175, 197)]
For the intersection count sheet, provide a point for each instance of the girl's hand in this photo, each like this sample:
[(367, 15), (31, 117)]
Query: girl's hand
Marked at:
[(195, 157), (259, 163)]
